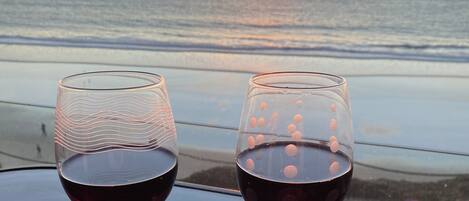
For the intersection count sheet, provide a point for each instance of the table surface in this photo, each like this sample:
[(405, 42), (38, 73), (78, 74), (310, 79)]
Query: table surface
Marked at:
[(41, 184)]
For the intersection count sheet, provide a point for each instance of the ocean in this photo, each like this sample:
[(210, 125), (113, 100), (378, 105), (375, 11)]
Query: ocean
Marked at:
[(431, 30)]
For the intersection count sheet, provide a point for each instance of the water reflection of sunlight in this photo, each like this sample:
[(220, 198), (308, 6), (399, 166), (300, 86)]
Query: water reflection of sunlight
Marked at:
[(263, 23)]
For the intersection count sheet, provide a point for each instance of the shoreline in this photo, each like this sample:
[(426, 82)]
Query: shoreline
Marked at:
[(226, 62), (375, 52), (464, 75)]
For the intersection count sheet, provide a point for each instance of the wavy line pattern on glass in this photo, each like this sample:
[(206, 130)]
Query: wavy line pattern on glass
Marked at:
[(136, 122)]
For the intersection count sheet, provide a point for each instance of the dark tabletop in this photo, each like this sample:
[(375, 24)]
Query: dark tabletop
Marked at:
[(44, 185)]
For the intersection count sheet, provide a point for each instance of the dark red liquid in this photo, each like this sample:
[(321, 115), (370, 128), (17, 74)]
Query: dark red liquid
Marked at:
[(315, 178), (119, 175)]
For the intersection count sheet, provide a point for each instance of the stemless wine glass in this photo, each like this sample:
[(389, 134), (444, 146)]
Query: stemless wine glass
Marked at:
[(295, 141), (115, 137)]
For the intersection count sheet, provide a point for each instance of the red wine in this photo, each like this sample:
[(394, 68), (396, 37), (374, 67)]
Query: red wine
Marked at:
[(293, 171), (119, 175)]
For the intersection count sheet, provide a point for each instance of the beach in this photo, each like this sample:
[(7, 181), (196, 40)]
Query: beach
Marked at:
[(426, 92), (415, 111)]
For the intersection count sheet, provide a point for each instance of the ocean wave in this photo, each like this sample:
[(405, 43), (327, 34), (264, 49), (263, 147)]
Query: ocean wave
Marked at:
[(426, 52)]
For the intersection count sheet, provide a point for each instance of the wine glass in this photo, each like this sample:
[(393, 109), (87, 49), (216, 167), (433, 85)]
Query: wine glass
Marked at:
[(115, 137), (295, 141)]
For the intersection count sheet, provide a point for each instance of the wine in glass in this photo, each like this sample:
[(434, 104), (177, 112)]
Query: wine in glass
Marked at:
[(295, 141), (115, 137)]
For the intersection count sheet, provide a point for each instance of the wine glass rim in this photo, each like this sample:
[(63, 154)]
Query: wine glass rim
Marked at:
[(254, 80), (159, 78)]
